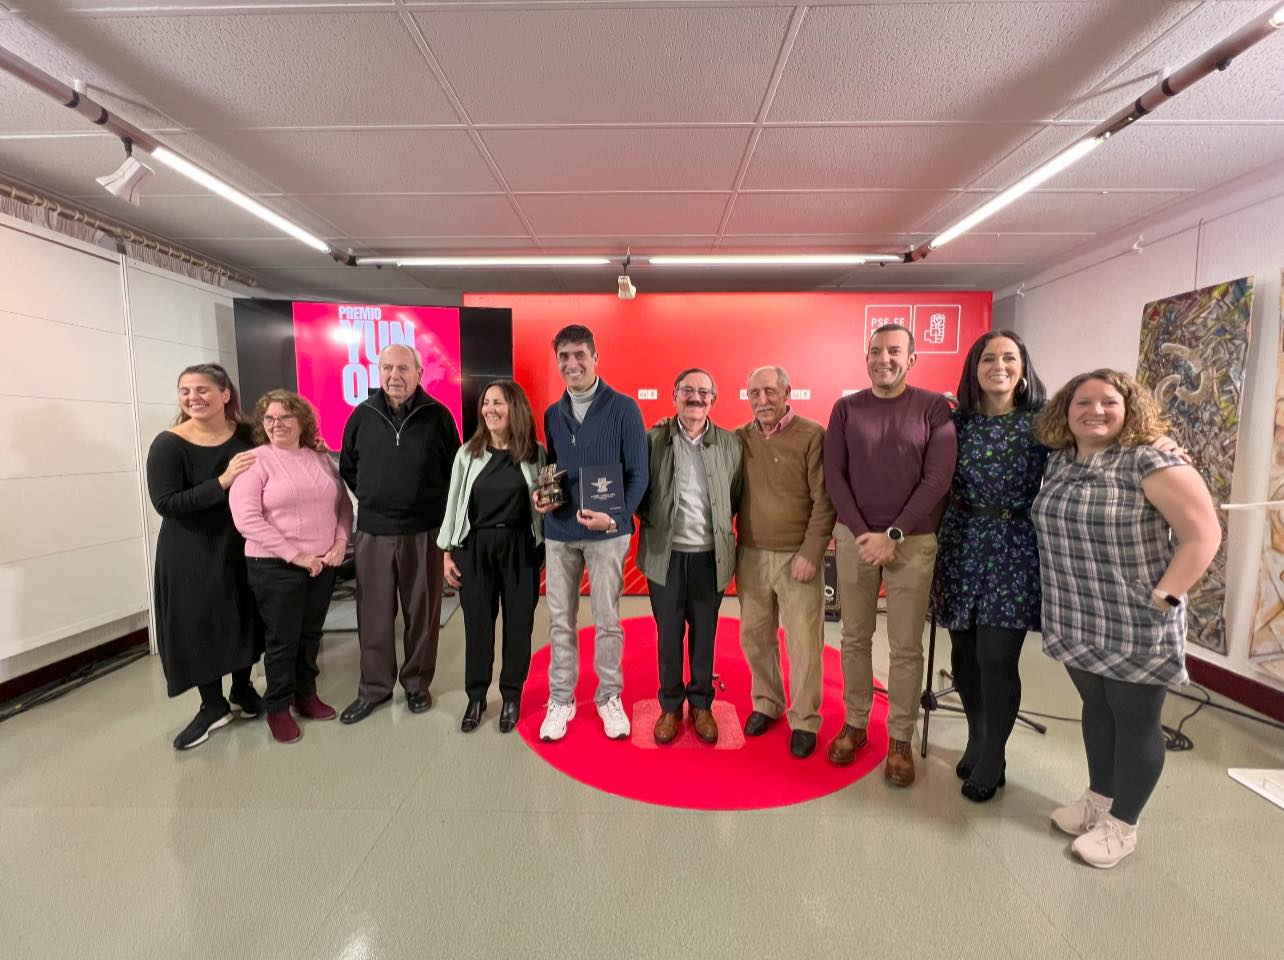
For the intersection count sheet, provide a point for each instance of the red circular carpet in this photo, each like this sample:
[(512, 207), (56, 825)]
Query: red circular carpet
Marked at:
[(739, 773)]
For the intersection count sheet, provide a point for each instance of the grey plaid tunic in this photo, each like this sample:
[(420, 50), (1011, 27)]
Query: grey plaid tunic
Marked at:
[(1102, 549)]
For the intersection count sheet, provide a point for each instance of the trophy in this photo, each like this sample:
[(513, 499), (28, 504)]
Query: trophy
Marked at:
[(548, 491)]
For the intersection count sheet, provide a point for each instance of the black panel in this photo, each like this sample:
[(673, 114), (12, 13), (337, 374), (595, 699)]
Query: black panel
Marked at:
[(486, 354), (264, 347)]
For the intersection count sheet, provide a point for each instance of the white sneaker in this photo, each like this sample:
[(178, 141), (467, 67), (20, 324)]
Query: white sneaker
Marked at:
[(555, 720), (1107, 843), (615, 722), (1082, 815)]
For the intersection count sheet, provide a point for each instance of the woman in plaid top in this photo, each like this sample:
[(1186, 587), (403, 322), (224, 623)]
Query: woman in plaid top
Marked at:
[(1114, 585)]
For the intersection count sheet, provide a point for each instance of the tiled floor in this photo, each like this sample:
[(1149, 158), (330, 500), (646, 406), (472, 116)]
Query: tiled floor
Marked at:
[(402, 837)]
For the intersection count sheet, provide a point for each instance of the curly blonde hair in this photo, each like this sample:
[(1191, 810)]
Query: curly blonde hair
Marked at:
[(1143, 420), (304, 412)]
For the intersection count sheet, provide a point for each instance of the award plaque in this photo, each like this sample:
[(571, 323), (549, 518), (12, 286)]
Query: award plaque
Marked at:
[(602, 489), (548, 489)]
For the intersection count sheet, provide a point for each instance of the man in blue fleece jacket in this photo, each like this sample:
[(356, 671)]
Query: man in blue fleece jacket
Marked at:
[(590, 426)]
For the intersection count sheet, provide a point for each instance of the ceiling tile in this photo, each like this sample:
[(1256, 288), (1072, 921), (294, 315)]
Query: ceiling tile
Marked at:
[(370, 161), (1150, 155), (831, 212), (957, 61), (648, 158), (1013, 249), (633, 64), (419, 216), (180, 218), (917, 157), (1249, 90), (618, 243), (654, 214), (322, 67)]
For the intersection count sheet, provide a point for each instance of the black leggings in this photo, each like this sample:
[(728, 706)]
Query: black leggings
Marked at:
[(985, 662), (1123, 739), (212, 692)]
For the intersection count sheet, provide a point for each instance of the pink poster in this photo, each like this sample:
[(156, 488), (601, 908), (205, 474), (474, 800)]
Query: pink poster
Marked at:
[(336, 351)]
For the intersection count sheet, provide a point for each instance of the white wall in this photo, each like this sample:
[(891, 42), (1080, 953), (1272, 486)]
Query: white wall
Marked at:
[(1086, 313), (92, 347)]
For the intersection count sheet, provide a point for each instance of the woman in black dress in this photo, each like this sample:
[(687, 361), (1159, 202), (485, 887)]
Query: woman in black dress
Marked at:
[(206, 624), (986, 590), (492, 540)]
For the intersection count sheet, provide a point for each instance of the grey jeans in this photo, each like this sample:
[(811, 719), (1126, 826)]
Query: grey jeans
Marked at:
[(564, 562)]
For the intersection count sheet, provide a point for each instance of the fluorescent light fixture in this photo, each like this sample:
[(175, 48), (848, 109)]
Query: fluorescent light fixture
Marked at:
[(215, 185), (1019, 189), (499, 261), (770, 259), (1277, 18)]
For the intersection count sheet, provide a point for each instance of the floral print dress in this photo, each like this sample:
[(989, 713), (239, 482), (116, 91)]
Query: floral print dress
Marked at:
[(987, 562)]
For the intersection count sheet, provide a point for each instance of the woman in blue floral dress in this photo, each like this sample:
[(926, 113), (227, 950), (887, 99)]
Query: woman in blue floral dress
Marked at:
[(986, 590)]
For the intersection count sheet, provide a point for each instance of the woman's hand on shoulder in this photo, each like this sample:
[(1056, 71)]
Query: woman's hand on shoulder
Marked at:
[(235, 467)]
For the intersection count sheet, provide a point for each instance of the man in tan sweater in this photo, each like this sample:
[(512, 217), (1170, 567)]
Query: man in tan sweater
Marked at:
[(785, 522)]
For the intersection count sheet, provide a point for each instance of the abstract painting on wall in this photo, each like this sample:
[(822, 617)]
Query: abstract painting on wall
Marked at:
[(1193, 350), (1266, 649)]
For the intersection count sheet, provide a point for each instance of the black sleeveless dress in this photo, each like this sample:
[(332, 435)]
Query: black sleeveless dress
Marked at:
[(207, 624)]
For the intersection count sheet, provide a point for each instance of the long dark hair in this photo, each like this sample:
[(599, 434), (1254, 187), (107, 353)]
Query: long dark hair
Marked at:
[(215, 372), (521, 424), (971, 397)]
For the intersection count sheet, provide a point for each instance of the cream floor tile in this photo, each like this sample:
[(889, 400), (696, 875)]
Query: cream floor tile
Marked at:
[(662, 883), (196, 884)]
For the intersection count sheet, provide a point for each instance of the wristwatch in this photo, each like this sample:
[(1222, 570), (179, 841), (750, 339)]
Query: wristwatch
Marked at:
[(895, 534), (1164, 600), (614, 527)]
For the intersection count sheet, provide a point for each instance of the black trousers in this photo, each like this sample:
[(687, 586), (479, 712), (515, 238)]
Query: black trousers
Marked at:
[(1124, 739), (985, 662), (686, 606), (498, 570), (293, 606)]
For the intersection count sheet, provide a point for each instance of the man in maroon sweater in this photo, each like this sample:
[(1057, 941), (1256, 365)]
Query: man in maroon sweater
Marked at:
[(889, 461)]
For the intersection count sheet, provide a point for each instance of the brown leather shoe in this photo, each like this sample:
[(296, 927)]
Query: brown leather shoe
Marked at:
[(842, 749), (706, 727), (667, 727), (900, 763)]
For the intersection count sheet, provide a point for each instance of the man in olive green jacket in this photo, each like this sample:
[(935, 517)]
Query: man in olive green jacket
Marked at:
[(687, 547)]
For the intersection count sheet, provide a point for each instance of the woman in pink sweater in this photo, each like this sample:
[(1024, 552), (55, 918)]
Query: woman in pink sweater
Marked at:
[(296, 518)]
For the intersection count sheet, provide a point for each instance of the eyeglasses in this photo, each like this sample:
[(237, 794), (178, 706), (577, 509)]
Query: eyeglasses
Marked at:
[(702, 393), (283, 420)]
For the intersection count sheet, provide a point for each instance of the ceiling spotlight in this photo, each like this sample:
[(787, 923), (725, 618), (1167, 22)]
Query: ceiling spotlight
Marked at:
[(127, 181), (627, 290)]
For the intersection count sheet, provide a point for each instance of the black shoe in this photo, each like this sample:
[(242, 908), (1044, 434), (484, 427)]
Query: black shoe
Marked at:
[(418, 702), (508, 715), (359, 709), (979, 794), (473, 715), (198, 731), (758, 723), (248, 702), (802, 743)]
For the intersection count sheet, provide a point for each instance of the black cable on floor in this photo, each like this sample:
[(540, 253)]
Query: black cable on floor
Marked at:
[(1207, 701), (74, 681)]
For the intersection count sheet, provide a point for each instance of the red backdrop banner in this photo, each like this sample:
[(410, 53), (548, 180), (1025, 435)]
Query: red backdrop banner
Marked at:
[(819, 338)]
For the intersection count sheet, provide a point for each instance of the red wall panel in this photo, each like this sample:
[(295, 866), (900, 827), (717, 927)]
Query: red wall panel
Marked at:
[(818, 337)]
